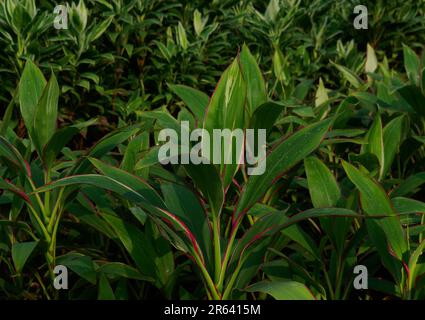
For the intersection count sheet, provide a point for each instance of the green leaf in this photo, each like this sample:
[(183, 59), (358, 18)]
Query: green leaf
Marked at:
[(5, 185), (80, 264), (99, 28), (227, 110), (283, 290), (272, 10), (256, 88), (405, 205), (164, 119), (414, 97), (59, 139), (411, 64), (384, 286), (31, 88), (302, 89), (349, 75), (422, 80), (91, 218), (409, 185), (135, 146), (265, 116), (46, 114), (13, 157), (106, 144), (285, 155), (320, 213), (195, 100), (321, 94), (420, 139), (164, 258), (119, 269), (164, 51), (151, 158), (198, 22), (133, 241), (323, 188), (105, 289), (279, 65), (413, 263), (376, 143), (135, 183), (211, 188), (21, 251), (392, 139), (375, 202), (108, 183), (371, 61), (183, 203), (273, 218), (181, 36), (97, 180), (275, 221)]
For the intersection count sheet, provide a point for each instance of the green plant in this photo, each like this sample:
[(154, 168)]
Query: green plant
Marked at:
[(343, 113)]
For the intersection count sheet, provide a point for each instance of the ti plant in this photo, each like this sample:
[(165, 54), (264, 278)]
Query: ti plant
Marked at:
[(24, 172), (30, 163), (219, 224)]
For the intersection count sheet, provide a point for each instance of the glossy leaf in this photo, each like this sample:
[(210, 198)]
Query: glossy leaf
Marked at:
[(283, 290), (285, 155), (21, 251), (195, 100), (411, 64), (31, 87), (323, 188), (256, 88), (227, 110), (46, 114), (375, 202)]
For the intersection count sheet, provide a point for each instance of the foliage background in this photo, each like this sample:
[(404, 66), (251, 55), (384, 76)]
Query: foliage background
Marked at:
[(118, 62)]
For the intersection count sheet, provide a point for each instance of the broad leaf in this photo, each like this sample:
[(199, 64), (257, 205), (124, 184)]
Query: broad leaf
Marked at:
[(387, 233), (46, 114), (31, 88), (323, 188), (21, 251), (411, 64), (283, 290), (256, 88), (195, 100), (285, 155)]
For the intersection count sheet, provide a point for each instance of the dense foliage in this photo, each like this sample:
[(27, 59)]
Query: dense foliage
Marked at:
[(81, 184)]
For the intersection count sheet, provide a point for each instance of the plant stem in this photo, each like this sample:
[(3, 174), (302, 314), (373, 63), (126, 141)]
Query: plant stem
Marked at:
[(47, 194), (227, 256), (217, 247), (55, 210), (339, 275), (40, 203), (40, 223), (8, 114), (328, 282), (212, 288), (232, 280)]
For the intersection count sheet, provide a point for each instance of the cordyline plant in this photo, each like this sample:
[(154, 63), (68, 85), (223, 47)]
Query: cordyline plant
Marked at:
[(225, 242), (30, 163), (393, 139), (227, 222)]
